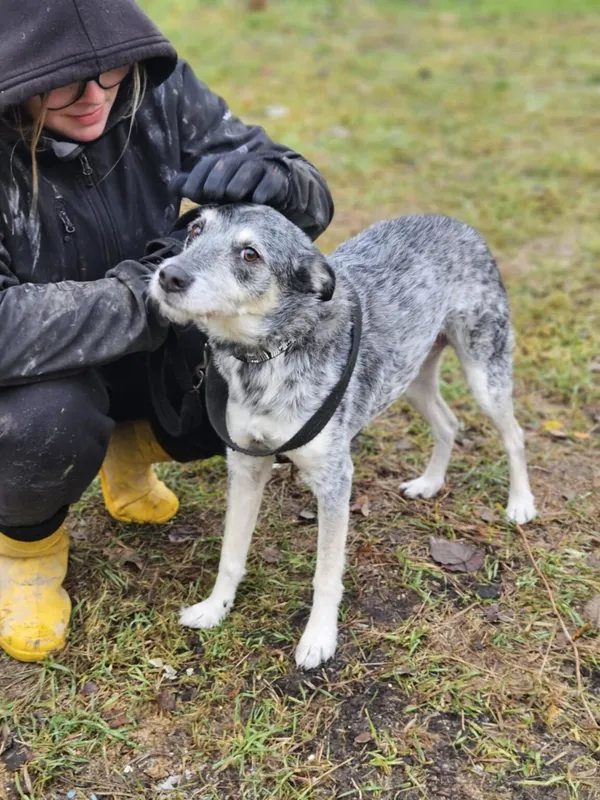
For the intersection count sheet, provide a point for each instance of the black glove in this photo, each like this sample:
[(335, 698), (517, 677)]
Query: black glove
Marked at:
[(172, 244), (237, 177)]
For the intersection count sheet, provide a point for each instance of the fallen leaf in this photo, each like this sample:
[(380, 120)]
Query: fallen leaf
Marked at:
[(16, 757), (306, 515), (118, 721), (595, 366), (5, 737), (493, 613), (456, 556), (552, 713), (559, 434), (89, 688), (271, 555), (554, 427), (582, 436), (361, 504), (170, 672), (592, 610), (487, 515), (182, 533), (172, 782), (166, 700), (124, 556), (29, 783), (256, 5), (580, 631), (363, 738), (488, 591)]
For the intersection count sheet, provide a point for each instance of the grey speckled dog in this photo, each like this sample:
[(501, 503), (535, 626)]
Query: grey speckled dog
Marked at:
[(261, 290)]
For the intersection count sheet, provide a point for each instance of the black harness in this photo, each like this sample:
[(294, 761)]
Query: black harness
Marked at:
[(206, 388)]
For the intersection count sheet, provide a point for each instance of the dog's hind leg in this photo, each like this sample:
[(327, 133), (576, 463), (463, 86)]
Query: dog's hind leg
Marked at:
[(485, 355), (332, 483), (424, 395), (247, 478)]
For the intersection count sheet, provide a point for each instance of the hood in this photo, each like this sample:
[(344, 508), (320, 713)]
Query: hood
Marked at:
[(45, 44)]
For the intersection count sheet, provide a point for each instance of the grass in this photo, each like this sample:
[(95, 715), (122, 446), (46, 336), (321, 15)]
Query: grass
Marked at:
[(487, 111)]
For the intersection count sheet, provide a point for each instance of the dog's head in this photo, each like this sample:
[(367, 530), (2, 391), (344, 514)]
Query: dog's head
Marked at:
[(245, 270)]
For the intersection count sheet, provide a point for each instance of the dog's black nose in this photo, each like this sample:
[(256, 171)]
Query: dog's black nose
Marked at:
[(174, 279)]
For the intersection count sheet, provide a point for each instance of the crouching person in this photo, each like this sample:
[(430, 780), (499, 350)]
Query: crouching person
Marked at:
[(102, 130)]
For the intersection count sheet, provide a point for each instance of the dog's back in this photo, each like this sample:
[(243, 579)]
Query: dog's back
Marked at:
[(424, 264), (420, 278)]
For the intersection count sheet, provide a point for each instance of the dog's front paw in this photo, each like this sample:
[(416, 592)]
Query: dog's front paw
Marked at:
[(207, 614), (316, 646), (521, 509), (422, 487)]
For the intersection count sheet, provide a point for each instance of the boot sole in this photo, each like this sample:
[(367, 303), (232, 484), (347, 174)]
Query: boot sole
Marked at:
[(28, 655)]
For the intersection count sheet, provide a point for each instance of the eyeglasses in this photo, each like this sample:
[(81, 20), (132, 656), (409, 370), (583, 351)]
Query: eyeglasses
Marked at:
[(65, 96)]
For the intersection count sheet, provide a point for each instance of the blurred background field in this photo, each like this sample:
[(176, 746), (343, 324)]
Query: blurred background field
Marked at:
[(487, 111)]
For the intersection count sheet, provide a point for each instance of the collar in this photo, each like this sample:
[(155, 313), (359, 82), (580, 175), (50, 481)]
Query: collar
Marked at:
[(217, 396), (260, 356)]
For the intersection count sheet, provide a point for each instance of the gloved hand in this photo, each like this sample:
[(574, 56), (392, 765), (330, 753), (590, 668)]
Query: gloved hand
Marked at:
[(236, 177), (136, 274), (172, 244)]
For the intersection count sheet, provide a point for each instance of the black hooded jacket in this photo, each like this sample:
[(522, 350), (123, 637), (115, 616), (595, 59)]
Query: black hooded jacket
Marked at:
[(71, 290)]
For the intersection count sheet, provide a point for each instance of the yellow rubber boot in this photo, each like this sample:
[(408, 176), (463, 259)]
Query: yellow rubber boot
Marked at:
[(131, 490), (34, 608)]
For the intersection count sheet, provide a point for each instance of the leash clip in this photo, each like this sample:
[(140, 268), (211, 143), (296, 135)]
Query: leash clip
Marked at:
[(200, 369)]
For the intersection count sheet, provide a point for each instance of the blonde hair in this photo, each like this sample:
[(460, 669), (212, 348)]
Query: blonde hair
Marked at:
[(31, 134), (36, 132)]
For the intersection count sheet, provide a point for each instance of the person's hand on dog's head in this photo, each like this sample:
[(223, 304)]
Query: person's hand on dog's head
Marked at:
[(236, 177)]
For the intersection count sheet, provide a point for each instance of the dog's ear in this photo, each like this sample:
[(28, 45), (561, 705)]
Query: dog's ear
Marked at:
[(315, 277)]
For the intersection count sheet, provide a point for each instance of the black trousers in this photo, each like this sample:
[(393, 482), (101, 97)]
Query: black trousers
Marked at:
[(54, 435)]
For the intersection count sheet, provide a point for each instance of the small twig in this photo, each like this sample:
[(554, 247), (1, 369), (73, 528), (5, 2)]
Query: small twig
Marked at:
[(550, 643), (589, 711)]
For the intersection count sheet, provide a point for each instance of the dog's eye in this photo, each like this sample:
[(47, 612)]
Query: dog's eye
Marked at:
[(194, 230), (250, 255)]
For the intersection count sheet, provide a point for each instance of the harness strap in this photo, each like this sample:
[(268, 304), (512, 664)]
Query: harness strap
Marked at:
[(217, 396)]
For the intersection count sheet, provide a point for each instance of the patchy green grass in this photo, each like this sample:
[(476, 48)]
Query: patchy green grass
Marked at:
[(487, 111)]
